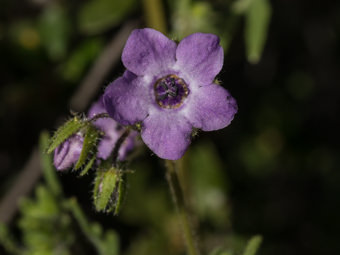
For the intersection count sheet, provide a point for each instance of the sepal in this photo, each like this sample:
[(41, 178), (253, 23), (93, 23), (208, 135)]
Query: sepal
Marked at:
[(71, 127), (89, 147)]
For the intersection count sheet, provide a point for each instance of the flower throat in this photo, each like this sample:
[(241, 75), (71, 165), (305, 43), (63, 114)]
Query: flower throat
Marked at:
[(170, 91)]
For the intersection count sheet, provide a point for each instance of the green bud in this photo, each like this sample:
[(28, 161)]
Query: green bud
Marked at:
[(109, 190)]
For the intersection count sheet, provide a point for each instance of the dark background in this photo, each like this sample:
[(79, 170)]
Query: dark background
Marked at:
[(280, 154)]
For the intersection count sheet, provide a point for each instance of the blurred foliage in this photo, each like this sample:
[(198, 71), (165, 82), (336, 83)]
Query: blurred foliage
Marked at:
[(55, 31), (74, 67), (96, 16), (274, 171), (257, 21), (46, 221), (46, 230)]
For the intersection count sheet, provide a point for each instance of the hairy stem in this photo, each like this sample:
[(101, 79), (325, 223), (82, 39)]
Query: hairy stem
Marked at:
[(99, 116), (119, 143), (180, 204)]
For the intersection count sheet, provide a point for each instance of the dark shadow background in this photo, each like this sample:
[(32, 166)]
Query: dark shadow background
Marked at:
[(281, 152)]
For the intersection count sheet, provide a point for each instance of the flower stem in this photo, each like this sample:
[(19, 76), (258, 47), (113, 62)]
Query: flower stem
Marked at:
[(118, 144), (85, 226), (180, 204), (99, 116), (155, 15)]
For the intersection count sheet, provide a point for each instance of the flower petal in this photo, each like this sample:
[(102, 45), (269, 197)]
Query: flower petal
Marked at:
[(211, 108), (67, 154), (148, 51), (126, 100), (200, 56), (168, 136)]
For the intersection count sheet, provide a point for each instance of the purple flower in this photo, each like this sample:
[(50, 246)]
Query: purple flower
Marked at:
[(169, 89), (67, 154)]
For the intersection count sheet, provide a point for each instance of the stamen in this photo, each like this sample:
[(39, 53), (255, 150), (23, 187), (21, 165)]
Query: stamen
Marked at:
[(170, 91)]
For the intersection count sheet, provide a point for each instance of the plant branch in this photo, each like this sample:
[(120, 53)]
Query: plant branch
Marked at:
[(120, 141), (180, 204)]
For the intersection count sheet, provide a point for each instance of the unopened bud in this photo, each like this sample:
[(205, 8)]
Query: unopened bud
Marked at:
[(109, 190)]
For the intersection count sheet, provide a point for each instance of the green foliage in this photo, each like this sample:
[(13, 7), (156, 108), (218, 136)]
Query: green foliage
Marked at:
[(257, 22), (106, 243), (80, 58), (98, 15), (221, 252), (6, 240), (191, 16), (46, 229), (69, 128), (54, 26), (209, 184), (253, 245), (47, 166), (46, 220)]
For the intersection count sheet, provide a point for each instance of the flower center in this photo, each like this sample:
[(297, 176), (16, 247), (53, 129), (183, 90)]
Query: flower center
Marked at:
[(170, 91)]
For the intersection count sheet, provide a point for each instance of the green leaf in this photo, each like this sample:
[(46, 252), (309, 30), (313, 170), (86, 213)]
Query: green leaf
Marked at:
[(209, 184), (89, 145), (7, 241), (54, 27), (257, 21), (69, 128), (241, 6), (220, 251), (48, 169), (111, 243), (98, 15), (80, 59), (253, 245)]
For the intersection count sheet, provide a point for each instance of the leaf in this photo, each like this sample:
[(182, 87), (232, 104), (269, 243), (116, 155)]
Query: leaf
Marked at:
[(253, 245), (209, 184), (89, 145), (7, 240), (46, 162), (240, 6), (80, 59), (54, 27), (69, 128), (98, 15), (257, 21)]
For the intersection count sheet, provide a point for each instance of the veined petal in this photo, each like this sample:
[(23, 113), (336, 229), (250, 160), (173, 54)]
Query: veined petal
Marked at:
[(211, 108), (126, 99), (200, 56), (148, 52), (168, 136)]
